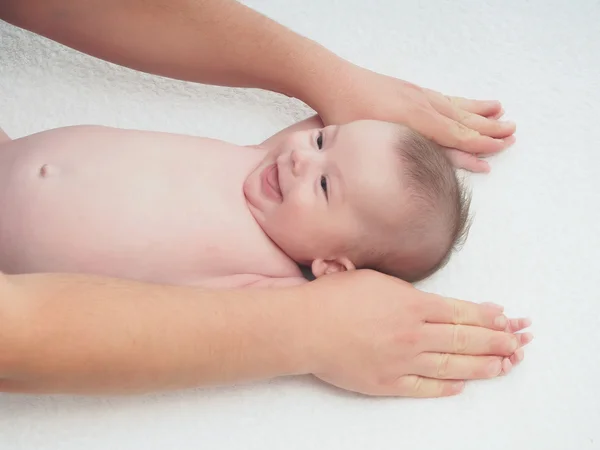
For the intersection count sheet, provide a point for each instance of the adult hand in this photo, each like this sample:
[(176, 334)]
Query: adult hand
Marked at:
[(226, 43), (470, 126), (374, 334)]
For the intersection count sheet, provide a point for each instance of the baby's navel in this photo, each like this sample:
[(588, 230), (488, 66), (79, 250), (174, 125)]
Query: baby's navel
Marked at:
[(44, 171)]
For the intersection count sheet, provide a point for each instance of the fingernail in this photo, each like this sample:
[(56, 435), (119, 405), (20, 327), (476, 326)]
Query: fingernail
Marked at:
[(458, 386), (519, 354), (507, 123), (494, 368), (500, 322), (506, 366), (527, 337)]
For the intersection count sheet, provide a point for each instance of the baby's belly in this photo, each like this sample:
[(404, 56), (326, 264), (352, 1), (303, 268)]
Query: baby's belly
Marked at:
[(148, 206)]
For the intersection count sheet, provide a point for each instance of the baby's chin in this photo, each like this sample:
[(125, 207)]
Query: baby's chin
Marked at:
[(302, 256)]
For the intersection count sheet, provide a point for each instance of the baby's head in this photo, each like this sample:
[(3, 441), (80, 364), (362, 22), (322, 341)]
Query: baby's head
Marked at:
[(367, 194)]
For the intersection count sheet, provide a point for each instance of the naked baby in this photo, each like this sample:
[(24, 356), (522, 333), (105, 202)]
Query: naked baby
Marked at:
[(166, 208)]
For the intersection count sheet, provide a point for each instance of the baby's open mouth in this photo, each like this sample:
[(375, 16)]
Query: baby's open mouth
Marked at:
[(271, 178)]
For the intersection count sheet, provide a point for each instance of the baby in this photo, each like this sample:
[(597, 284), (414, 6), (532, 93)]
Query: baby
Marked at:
[(176, 209)]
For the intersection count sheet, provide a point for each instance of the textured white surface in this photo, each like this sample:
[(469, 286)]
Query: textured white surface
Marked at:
[(534, 246)]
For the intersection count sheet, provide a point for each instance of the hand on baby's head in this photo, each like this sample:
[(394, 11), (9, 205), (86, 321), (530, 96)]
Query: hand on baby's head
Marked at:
[(364, 195)]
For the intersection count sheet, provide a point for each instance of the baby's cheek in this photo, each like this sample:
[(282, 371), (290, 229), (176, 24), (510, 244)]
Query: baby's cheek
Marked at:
[(292, 213), (296, 140), (304, 196)]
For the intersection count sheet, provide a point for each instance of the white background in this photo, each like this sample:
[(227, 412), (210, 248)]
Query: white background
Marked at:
[(534, 245)]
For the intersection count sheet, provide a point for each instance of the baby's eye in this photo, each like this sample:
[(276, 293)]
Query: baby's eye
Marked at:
[(324, 185), (320, 140)]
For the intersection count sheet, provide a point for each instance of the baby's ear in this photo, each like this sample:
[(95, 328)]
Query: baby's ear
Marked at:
[(322, 267)]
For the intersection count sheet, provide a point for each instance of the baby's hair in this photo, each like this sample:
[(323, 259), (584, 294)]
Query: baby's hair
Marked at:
[(435, 220)]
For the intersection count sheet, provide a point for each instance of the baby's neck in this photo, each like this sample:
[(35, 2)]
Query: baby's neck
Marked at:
[(261, 153)]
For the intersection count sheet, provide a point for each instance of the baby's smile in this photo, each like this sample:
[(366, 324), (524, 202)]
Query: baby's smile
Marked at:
[(270, 182)]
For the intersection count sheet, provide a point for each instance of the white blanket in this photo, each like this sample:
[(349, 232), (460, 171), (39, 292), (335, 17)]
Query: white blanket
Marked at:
[(534, 245)]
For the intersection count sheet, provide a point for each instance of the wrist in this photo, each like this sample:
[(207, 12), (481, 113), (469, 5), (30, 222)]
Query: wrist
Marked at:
[(290, 327), (304, 330), (330, 92), (316, 76)]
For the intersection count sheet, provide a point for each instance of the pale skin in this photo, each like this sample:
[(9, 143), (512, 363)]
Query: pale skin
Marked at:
[(155, 207), (167, 208), (390, 339), (53, 326), (226, 43)]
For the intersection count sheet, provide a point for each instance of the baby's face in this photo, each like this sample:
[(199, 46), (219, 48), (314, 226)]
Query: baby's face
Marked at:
[(321, 189)]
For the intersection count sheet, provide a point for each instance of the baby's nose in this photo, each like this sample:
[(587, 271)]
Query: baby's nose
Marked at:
[(300, 162)]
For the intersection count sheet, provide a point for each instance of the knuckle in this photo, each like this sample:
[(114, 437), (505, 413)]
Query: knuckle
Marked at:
[(464, 116), (460, 339), (423, 110), (458, 313), (443, 366), (463, 133), (417, 386)]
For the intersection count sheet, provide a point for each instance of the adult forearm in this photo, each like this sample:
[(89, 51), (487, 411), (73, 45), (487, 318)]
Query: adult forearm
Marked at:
[(81, 334), (218, 42)]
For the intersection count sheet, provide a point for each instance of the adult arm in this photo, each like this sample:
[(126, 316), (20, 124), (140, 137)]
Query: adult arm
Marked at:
[(89, 334), (223, 42)]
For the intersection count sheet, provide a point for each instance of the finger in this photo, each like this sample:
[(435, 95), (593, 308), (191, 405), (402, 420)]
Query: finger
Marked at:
[(452, 134), (443, 310), (524, 338), (517, 357), (421, 387), (449, 107), (489, 127), (467, 161), (498, 115), (494, 305), (456, 367), (512, 361), (482, 107), (519, 324), (508, 141), (507, 366), (486, 108), (467, 340)]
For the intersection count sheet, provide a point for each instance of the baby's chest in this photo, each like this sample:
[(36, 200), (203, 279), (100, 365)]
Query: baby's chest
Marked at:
[(161, 212), (226, 244)]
